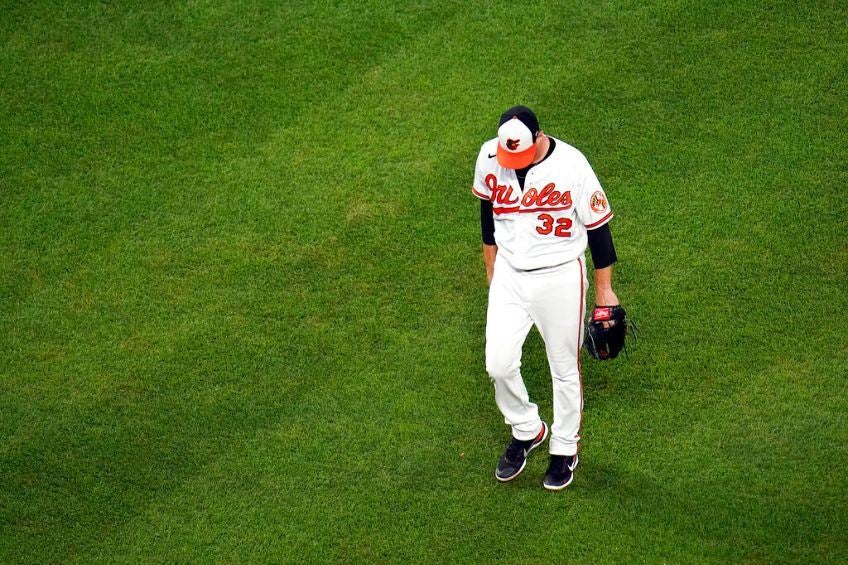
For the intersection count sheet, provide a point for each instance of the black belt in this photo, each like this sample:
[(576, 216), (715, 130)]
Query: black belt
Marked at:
[(543, 268)]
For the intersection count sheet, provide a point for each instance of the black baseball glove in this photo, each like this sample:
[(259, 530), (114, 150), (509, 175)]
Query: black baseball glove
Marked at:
[(605, 332)]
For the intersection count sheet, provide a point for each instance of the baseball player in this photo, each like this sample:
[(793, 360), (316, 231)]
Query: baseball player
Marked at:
[(540, 205)]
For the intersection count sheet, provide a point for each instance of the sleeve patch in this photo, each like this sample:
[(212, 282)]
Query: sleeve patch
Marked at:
[(598, 202)]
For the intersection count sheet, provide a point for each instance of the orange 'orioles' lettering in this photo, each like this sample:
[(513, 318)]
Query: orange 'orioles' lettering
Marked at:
[(547, 197), (501, 194)]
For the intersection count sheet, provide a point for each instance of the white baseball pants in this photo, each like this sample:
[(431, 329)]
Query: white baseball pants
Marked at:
[(554, 300)]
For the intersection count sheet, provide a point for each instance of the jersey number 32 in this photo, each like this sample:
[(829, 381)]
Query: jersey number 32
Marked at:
[(562, 226)]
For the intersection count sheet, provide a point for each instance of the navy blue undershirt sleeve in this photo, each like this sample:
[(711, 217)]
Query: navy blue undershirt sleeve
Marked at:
[(601, 246), (487, 222)]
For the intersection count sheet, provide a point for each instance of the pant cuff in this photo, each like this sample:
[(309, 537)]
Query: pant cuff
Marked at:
[(562, 448), (527, 436)]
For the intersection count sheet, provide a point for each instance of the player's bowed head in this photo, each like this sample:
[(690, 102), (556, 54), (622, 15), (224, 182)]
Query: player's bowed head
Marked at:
[(520, 140)]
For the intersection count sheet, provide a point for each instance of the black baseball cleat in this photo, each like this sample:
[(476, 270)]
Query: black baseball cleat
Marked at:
[(514, 459), (560, 472)]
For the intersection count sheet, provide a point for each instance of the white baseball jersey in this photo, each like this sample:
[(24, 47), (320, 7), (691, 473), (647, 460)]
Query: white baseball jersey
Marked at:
[(544, 225)]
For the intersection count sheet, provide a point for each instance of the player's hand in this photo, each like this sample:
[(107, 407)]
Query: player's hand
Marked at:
[(606, 297)]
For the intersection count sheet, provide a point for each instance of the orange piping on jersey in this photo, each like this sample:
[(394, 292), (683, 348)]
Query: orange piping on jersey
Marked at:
[(478, 194), (557, 209), (514, 209), (599, 222)]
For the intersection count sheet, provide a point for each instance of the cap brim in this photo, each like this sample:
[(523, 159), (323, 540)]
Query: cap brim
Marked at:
[(517, 160)]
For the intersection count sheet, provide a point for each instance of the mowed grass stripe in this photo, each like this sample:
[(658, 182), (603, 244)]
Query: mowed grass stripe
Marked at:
[(163, 344)]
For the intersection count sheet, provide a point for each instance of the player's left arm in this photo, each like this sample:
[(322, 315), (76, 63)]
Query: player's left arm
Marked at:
[(603, 256), (604, 295), (595, 212)]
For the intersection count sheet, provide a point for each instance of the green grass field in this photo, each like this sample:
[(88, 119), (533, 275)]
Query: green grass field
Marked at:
[(242, 302)]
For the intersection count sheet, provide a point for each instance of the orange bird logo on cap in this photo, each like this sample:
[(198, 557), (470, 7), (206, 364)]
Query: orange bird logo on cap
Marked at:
[(512, 144)]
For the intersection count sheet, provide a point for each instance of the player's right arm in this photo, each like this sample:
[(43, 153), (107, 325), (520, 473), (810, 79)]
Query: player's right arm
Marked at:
[(487, 222), (489, 253), (487, 230)]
